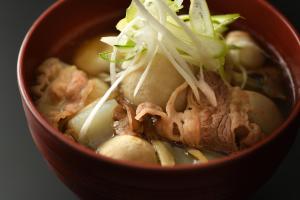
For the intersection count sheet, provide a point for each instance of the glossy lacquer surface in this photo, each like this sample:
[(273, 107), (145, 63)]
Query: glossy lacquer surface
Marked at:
[(94, 177)]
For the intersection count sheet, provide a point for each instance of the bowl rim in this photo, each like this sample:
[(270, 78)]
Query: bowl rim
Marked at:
[(142, 166)]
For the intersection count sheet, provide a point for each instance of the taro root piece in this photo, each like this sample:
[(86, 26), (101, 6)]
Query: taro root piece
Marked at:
[(245, 51), (87, 57), (264, 112), (129, 148), (161, 81)]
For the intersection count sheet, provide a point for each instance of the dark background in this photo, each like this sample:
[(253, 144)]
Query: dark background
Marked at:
[(24, 174)]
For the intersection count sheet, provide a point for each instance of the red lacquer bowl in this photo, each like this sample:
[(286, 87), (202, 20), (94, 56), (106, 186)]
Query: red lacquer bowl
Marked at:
[(92, 176)]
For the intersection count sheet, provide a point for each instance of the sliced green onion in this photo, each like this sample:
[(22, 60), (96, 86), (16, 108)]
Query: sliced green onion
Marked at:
[(200, 18), (154, 26), (106, 55), (225, 19), (131, 13), (128, 45)]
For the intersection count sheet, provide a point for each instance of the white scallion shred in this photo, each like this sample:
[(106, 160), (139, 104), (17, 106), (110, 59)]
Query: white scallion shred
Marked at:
[(100, 103), (206, 89), (200, 18), (181, 71), (154, 26), (145, 73), (104, 98)]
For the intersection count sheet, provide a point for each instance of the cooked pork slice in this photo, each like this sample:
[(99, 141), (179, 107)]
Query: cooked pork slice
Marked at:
[(225, 128), (62, 90), (124, 119), (173, 125)]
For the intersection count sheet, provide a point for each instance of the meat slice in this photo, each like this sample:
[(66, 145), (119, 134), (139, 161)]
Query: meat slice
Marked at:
[(61, 89), (228, 129), (176, 126), (124, 120), (225, 128)]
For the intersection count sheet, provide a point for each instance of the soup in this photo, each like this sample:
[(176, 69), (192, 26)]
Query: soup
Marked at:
[(167, 89)]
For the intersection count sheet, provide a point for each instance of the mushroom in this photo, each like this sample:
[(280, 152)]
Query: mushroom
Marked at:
[(129, 148), (101, 128), (164, 153), (264, 112), (245, 51), (87, 57), (198, 155)]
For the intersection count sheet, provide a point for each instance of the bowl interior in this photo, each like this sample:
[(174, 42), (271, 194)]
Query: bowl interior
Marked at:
[(67, 20)]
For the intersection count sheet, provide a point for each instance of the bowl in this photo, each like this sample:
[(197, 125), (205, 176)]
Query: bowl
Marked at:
[(92, 176)]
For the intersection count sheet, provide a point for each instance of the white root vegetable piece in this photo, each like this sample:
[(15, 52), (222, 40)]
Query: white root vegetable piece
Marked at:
[(198, 155), (101, 128), (244, 50), (87, 56), (99, 89), (129, 148), (161, 81), (164, 153), (264, 112)]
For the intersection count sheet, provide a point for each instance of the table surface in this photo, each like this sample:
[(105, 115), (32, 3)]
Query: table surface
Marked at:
[(23, 172)]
